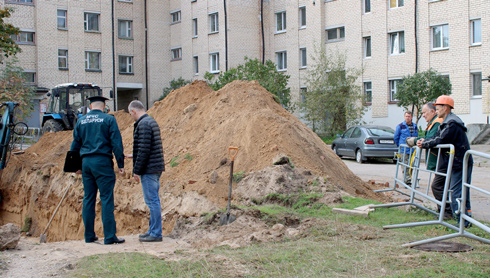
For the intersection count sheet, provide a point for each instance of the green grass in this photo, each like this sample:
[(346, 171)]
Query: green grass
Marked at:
[(336, 246), (188, 156), (328, 139), (238, 177), (173, 162)]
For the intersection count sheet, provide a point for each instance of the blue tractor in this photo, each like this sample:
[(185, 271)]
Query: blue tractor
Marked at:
[(67, 103)]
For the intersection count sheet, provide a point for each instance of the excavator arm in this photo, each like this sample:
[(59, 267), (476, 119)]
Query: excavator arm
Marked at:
[(7, 129)]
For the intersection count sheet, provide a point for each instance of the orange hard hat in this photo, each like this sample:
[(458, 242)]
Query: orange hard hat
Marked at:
[(441, 100)]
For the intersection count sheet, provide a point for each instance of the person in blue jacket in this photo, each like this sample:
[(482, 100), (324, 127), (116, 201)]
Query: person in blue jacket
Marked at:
[(96, 136), (404, 130)]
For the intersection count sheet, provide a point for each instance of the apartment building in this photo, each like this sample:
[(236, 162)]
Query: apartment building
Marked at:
[(135, 47)]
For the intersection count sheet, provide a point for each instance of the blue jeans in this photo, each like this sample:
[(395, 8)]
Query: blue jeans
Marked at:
[(456, 185), (151, 185)]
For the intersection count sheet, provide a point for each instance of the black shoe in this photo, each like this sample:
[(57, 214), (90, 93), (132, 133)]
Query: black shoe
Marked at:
[(92, 240), (150, 238), (117, 241), (147, 234)]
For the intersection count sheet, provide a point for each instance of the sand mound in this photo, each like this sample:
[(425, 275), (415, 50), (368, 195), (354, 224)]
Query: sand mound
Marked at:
[(197, 124)]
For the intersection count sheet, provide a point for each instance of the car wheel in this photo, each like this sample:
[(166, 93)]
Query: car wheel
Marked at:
[(359, 156), (336, 151)]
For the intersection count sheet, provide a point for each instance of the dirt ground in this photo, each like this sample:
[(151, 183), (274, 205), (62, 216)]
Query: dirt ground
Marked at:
[(197, 125)]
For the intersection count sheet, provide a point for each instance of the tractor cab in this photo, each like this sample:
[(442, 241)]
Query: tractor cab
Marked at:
[(67, 103)]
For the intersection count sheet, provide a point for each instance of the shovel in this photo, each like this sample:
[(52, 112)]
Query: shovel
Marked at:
[(43, 235), (226, 218)]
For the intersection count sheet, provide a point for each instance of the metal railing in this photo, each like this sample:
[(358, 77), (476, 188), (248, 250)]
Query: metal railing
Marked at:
[(30, 137), (462, 208)]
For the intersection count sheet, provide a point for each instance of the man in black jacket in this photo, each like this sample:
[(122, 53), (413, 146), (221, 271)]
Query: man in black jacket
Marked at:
[(451, 131), (148, 166)]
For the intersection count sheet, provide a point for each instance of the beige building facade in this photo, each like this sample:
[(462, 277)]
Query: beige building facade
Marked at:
[(136, 47)]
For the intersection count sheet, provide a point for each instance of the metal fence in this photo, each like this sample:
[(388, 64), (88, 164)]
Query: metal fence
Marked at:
[(411, 163), (22, 142)]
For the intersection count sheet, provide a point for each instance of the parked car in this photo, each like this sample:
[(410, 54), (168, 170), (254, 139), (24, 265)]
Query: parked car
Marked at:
[(366, 141)]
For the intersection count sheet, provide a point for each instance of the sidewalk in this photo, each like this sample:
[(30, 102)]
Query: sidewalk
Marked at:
[(481, 161)]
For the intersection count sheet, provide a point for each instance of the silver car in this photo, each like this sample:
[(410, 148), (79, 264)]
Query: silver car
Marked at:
[(366, 141)]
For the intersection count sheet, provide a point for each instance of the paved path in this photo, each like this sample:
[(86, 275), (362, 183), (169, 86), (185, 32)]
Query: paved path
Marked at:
[(381, 171)]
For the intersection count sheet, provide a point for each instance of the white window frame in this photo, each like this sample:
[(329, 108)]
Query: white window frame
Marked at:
[(444, 28), (476, 84), (61, 57), (88, 66), (86, 21), (175, 17), (368, 90), (125, 29), (195, 28), (473, 31), (303, 58), (25, 37), (339, 33), (214, 62), (281, 22), (398, 3), (34, 77), (302, 92), (63, 18), (195, 60), (302, 17), (282, 60), (176, 53), (367, 47), (393, 84), (213, 23), (366, 4), (397, 45), (21, 1), (126, 60)]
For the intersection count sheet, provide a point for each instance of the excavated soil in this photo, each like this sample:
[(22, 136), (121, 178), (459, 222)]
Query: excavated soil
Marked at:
[(198, 125)]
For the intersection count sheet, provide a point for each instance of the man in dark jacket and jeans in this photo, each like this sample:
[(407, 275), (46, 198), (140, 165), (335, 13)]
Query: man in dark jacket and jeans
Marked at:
[(148, 166), (451, 131)]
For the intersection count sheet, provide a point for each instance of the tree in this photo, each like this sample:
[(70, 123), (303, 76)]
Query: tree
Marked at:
[(421, 88), (174, 84), (333, 99), (13, 88), (8, 46), (266, 74)]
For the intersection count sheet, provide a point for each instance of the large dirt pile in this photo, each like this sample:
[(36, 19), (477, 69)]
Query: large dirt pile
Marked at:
[(197, 124)]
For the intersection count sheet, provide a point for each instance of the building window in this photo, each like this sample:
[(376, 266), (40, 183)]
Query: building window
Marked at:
[(177, 53), (92, 61), (281, 22), (302, 92), (397, 43), (23, 37), (393, 89), (125, 64), (214, 62), (367, 47), (63, 58), (335, 34), (125, 27), (62, 19), (302, 17), (303, 57), (368, 92), (196, 64), (213, 23), (194, 27), (396, 3), (476, 32), (91, 22), (30, 77), (440, 36), (20, 1), (282, 60), (175, 16), (476, 84), (367, 6)]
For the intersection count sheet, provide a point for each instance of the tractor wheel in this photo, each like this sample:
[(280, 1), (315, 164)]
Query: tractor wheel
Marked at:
[(52, 126)]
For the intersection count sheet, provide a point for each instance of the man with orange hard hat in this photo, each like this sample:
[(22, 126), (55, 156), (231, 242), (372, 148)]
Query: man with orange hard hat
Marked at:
[(451, 131)]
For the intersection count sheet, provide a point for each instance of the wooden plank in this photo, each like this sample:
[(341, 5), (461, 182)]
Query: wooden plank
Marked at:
[(351, 212)]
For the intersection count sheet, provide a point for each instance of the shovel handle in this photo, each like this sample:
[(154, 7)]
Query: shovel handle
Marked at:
[(233, 151)]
